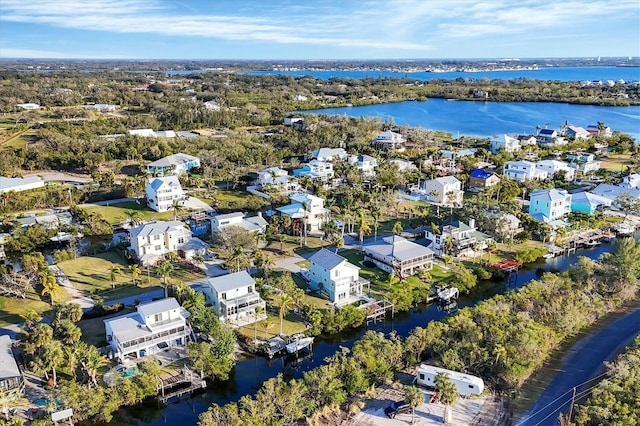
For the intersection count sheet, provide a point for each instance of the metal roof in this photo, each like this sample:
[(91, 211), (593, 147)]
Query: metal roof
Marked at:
[(327, 259), (152, 308), (8, 366), (231, 281), (157, 227), (398, 247), (175, 159)]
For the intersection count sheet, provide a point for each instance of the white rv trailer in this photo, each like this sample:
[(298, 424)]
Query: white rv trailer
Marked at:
[(466, 384)]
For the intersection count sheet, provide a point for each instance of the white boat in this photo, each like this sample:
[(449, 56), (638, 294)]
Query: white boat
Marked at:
[(625, 229), (298, 342)]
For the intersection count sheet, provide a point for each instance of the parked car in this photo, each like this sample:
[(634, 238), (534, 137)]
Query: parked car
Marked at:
[(398, 407)]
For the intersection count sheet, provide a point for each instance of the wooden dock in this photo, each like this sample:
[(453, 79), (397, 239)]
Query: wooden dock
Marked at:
[(377, 310), (180, 385)]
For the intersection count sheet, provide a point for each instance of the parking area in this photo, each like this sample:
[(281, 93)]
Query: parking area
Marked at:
[(466, 411)]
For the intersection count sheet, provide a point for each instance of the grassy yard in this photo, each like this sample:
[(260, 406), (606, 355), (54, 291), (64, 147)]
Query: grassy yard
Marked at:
[(90, 274), (616, 162), (117, 213), (11, 308)]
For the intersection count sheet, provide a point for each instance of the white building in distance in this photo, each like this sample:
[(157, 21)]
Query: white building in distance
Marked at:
[(504, 143), (523, 171), (446, 190), (175, 164), (8, 184)]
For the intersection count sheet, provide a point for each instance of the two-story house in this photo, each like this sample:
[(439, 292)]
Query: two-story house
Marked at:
[(330, 154), (504, 143), (251, 224), (446, 190), (277, 179), (162, 192), (235, 299), (453, 239), (307, 209), (333, 275), (366, 164), (398, 255), (175, 164), (482, 179), (554, 166), (583, 163), (550, 137), (595, 130), (152, 328), (577, 133), (10, 374), (152, 241), (389, 141), (547, 205), (523, 171), (315, 169)]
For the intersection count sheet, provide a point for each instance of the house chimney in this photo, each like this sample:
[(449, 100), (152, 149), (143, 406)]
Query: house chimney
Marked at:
[(259, 214), (472, 223)]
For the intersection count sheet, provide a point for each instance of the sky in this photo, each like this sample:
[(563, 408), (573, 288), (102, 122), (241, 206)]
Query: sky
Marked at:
[(318, 29)]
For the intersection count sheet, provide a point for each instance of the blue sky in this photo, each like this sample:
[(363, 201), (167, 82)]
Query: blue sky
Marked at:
[(318, 29)]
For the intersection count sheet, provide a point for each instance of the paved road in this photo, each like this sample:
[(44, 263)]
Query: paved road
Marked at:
[(583, 361)]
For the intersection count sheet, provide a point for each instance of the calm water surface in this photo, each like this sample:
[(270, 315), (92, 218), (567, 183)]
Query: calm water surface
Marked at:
[(250, 373)]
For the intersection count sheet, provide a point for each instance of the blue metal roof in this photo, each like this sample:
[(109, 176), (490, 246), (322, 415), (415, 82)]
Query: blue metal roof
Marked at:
[(481, 174)]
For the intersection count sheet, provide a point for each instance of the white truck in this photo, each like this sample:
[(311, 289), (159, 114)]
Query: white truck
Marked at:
[(466, 384)]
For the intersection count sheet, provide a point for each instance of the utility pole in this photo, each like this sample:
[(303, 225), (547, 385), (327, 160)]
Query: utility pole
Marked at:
[(573, 400)]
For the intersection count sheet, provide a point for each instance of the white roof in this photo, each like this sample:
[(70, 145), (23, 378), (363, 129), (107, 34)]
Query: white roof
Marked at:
[(447, 180), (461, 377), (152, 308), (231, 281), (159, 182), (401, 248), (157, 227), (328, 260), (551, 194), (523, 163), (329, 153), (7, 183), (8, 366), (175, 159), (612, 191), (233, 215)]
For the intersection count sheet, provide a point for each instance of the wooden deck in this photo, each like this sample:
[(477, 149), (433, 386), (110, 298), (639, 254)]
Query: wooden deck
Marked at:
[(180, 385), (377, 310)]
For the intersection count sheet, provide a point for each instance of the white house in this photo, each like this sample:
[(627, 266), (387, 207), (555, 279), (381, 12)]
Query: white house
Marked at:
[(152, 241), (366, 164), (578, 133), (604, 131), (145, 133), (631, 181), (549, 137), (10, 374), (235, 299), (335, 276), (403, 165), (20, 184), (547, 205), (330, 154), (211, 106), (175, 164), (277, 179), (250, 224), (161, 192), (398, 255), (584, 163), (389, 141), (526, 140), (305, 208), (523, 171), (612, 192), (446, 190), (554, 166), (504, 143), (153, 328), (316, 169), (462, 236)]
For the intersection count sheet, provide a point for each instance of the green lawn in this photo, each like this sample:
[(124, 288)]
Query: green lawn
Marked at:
[(90, 274), (117, 213), (616, 162), (11, 308)]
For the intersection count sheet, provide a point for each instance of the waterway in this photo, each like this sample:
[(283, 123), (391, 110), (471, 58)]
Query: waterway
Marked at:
[(249, 373), (487, 119), (544, 73)]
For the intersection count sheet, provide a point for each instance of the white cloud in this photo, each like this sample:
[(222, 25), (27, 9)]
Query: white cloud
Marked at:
[(51, 54)]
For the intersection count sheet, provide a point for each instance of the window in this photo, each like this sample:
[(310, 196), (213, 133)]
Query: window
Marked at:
[(250, 289), (470, 386), (157, 248), (158, 317), (224, 296), (156, 237)]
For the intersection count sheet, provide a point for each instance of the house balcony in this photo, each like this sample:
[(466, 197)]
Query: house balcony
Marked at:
[(240, 306), (151, 340), (464, 243)]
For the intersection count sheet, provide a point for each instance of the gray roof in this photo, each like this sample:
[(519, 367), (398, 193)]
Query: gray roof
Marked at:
[(327, 259), (401, 248), (229, 215), (157, 227), (7, 183), (550, 194), (447, 179), (8, 366), (152, 308), (612, 191), (231, 281), (194, 244), (175, 159)]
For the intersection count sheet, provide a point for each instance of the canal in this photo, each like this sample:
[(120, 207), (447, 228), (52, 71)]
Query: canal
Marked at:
[(249, 373)]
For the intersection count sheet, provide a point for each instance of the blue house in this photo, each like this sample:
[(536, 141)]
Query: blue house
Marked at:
[(547, 205), (586, 202)]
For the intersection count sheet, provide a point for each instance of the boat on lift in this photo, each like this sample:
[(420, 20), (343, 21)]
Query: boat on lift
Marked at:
[(298, 342)]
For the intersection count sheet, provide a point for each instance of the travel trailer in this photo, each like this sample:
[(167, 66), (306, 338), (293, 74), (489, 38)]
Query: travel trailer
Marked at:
[(466, 384)]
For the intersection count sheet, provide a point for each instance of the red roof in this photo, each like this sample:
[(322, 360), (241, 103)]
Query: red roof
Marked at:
[(506, 264)]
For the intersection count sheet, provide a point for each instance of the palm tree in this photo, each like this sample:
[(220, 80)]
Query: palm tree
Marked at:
[(282, 238), (267, 265), (134, 217), (338, 242), (363, 229), (197, 259), (114, 271), (414, 397), (49, 283), (286, 303), (259, 310), (164, 270), (31, 318), (92, 361), (447, 392), (135, 272), (397, 228), (177, 207)]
